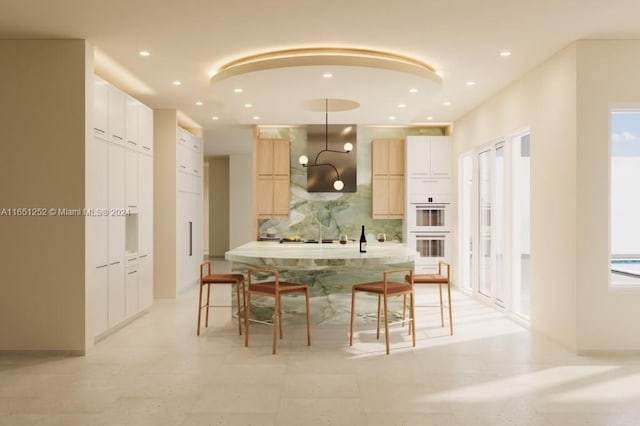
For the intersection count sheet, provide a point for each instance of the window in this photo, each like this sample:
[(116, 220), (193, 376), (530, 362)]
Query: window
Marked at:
[(624, 200)]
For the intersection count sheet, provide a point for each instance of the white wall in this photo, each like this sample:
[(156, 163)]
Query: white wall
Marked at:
[(607, 77), (240, 199), (543, 100)]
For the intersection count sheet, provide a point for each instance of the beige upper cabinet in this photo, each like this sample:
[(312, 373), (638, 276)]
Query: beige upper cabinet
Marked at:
[(387, 168), (272, 174)]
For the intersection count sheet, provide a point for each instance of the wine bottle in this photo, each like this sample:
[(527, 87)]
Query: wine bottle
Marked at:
[(363, 241)]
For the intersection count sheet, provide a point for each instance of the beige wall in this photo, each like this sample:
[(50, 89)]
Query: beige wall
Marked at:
[(43, 105), (607, 77), (545, 101), (164, 202), (241, 226), (218, 205)]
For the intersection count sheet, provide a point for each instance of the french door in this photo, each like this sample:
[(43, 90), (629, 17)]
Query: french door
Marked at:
[(494, 223)]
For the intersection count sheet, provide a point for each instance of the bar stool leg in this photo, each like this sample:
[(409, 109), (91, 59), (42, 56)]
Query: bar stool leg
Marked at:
[(206, 321), (353, 304), (199, 310), (386, 323), (450, 308), (276, 323), (247, 316), (412, 314), (441, 306), (378, 320), (306, 295)]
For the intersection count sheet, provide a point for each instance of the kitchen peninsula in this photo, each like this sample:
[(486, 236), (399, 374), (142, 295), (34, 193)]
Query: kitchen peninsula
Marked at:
[(329, 269)]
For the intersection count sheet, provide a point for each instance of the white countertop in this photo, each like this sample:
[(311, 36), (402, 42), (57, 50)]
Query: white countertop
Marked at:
[(267, 252)]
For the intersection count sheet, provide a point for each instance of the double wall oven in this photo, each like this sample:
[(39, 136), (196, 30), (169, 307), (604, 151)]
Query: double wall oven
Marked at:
[(429, 231)]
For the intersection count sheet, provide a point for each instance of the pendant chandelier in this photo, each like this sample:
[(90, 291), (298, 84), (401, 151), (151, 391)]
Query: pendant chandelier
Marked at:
[(338, 184)]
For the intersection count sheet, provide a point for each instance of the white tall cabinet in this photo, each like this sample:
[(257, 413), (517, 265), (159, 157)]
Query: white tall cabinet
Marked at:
[(121, 207), (189, 219)]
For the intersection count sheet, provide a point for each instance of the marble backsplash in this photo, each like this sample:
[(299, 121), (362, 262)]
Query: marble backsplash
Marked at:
[(328, 215)]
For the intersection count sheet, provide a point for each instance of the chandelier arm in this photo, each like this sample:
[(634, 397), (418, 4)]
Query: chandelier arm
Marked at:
[(325, 164)]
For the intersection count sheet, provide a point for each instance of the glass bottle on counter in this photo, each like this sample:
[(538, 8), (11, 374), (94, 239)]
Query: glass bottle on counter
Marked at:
[(363, 241)]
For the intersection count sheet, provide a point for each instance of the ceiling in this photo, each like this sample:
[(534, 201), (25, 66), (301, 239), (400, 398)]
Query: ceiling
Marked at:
[(190, 40)]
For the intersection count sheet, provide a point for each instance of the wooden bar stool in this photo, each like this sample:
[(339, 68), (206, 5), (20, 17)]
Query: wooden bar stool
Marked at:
[(438, 279), (274, 288), (208, 278), (386, 289)]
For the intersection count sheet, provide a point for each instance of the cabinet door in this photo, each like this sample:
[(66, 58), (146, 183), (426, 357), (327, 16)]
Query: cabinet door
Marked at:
[(145, 204), (281, 196), (116, 115), (131, 178), (100, 108), (100, 200), (131, 292), (264, 157), (145, 282), (396, 157), (183, 158), (380, 197), (101, 300), (117, 202), (281, 157), (396, 196), (131, 122), (441, 156), (196, 162), (265, 196), (380, 157), (116, 293), (418, 156), (145, 129)]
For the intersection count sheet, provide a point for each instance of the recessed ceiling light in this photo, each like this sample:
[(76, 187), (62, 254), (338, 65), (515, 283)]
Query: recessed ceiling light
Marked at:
[(439, 73), (177, 83), (199, 103), (237, 90), (327, 75), (413, 90), (215, 117), (446, 103), (248, 105), (144, 53), (255, 117), (429, 118), (402, 105), (471, 83), (505, 53), (391, 117)]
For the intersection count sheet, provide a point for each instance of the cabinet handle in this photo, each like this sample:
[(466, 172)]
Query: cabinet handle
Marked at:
[(195, 171), (144, 255), (440, 173), (132, 142), (132, 206), (118, 137), (102, 266), (132, 272), (147, 148), (114, 263), (98, 130), (195, 146), (183, 167), (132, 259)]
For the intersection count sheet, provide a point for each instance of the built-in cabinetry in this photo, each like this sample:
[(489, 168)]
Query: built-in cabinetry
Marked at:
[(387, 170), (272, 174), (428, 208), (189, 163), (120, 214)]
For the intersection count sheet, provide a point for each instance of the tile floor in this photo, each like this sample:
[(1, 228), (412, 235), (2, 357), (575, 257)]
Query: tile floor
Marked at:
[(157, 372)]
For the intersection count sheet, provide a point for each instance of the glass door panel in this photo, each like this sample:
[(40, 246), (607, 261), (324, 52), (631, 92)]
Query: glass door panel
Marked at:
[(484, 223), (498, 225), (466, 217)]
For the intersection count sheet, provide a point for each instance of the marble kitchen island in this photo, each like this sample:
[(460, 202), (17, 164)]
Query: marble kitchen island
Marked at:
[(329, 269)]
